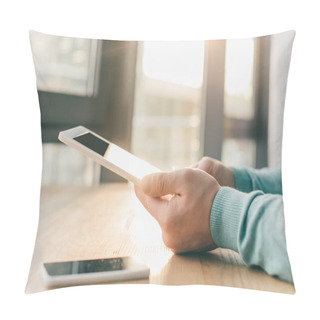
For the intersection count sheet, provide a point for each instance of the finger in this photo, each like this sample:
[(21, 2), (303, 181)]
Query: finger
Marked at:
[(205, 165), (195, 165), (155, 206), (161, 184)]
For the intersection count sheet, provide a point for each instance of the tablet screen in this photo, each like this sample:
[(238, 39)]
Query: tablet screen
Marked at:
[(122, 159), (93, 142)]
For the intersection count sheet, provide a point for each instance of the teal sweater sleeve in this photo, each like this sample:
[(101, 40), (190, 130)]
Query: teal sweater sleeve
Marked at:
[(267, 180), (252, 224)]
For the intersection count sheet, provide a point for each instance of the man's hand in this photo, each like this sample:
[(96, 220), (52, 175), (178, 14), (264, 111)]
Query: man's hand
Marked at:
[(215, 168), (181, 202)]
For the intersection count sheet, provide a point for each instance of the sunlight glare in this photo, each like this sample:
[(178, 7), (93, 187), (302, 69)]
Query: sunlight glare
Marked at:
[(175, 62), (239, 64)]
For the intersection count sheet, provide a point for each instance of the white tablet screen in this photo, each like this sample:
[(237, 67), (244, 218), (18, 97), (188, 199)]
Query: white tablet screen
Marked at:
[(116, 155)]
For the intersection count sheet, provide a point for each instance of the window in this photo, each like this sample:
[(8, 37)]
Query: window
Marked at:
[(65, 65), (236, 95), (239, 102), (81, 82), (239, 152), (168, 97), (169, 102)]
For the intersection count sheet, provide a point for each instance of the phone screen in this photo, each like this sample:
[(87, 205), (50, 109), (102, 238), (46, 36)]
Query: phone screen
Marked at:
[(93, 142), (86, 266), (116, 155)]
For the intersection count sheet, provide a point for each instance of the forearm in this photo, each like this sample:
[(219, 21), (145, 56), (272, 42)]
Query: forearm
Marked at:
[(253, 225), (267, 180)]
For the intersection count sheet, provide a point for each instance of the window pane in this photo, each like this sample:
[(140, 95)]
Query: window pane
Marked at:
[(65, 65), (166, 124), (174, 62), (238, 97), (239, 152), (64, 165)]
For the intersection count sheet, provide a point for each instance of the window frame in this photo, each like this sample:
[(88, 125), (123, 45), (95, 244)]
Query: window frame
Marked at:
[(109, 112), (215, 125)]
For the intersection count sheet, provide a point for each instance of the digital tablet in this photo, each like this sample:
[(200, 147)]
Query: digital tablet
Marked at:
[(107, 154)]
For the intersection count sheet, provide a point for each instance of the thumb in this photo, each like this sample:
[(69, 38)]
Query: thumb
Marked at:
[(160, 184)]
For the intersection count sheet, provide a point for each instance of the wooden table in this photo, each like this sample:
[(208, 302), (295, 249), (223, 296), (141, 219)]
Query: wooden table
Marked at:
[(108, 221)]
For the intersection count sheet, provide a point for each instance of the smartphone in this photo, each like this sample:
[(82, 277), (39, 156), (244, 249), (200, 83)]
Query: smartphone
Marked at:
[(71, 273), (107, 154)]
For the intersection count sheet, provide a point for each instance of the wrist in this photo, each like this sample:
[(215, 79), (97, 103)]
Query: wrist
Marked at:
[(242, 180), (225, 217)]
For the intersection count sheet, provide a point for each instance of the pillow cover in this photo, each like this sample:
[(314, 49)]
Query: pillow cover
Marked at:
[(169, 103)]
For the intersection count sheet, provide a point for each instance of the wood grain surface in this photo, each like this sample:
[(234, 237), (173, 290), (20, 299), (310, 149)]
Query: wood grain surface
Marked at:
[(78, 223)]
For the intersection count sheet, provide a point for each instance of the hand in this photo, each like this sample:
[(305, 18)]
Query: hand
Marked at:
[(184, 217), (215, 168)]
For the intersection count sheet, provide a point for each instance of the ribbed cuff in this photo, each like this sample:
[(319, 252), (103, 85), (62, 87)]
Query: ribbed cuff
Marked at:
[(242, 180), (225, 217)]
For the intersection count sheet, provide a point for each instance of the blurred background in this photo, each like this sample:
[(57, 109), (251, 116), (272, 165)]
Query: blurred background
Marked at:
[(169, 103)]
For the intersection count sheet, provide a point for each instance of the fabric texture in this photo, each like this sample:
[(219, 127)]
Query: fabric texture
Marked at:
[(250, 220), (240, 219)]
